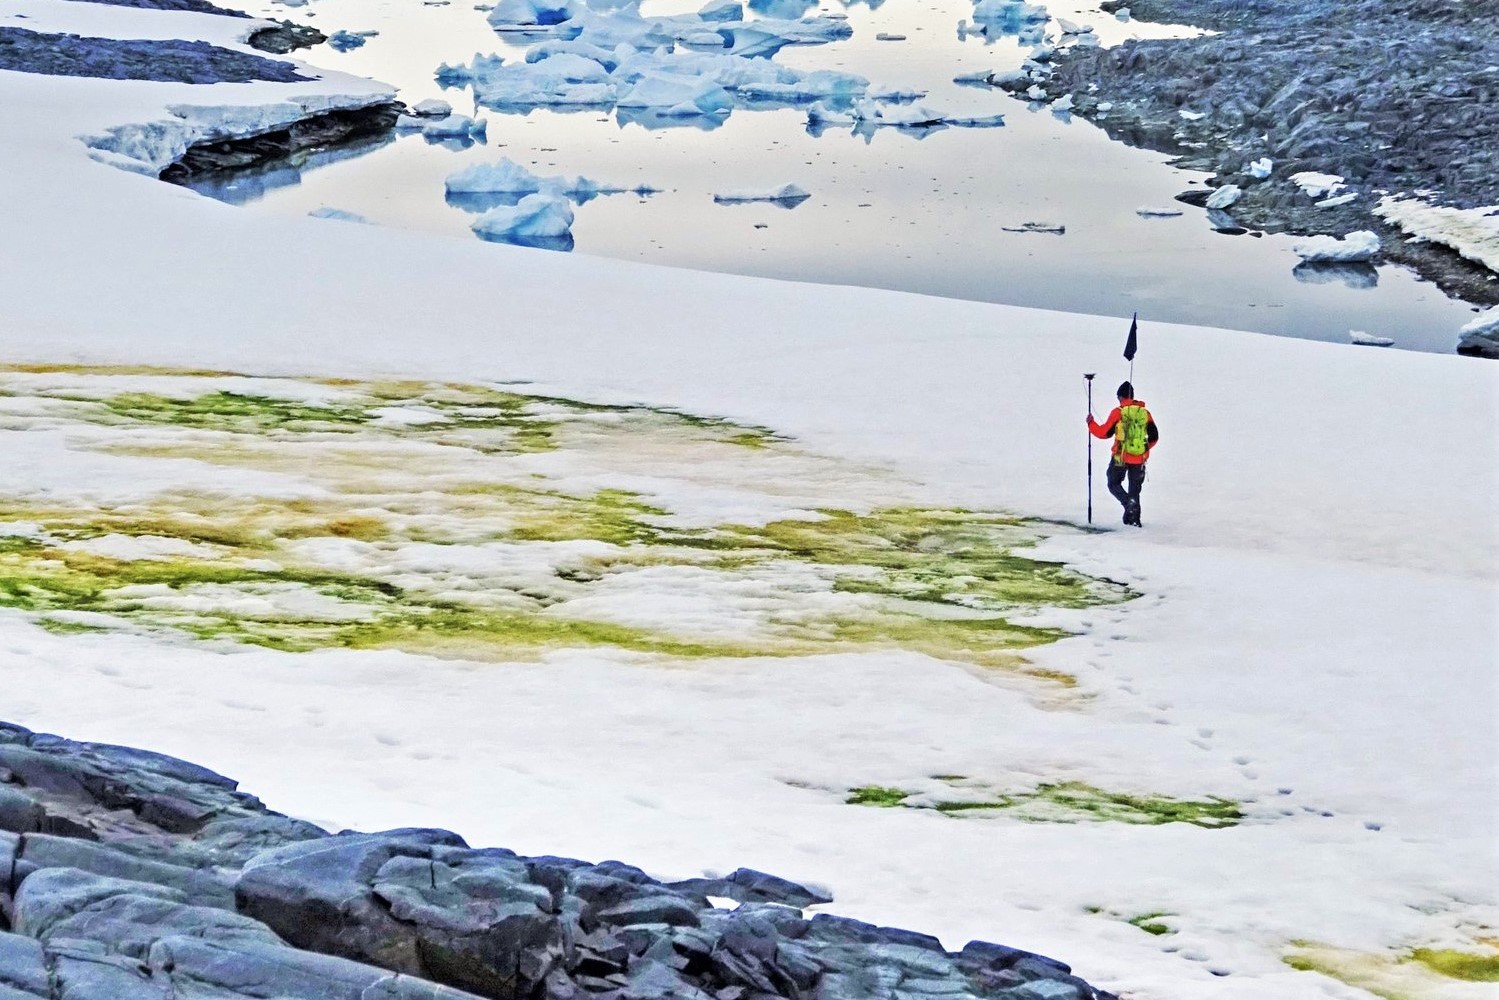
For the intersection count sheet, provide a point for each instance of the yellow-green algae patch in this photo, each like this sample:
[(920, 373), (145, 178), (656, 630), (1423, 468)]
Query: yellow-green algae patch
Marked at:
[(1061, 802), (1412, 975), (397, 464), (1455, 964)]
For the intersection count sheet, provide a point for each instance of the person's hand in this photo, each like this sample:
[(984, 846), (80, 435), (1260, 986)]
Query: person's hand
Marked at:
[(1088, 420)]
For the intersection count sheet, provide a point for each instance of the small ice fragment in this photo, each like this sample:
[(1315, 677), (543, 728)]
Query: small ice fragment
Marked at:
[(1363, 339), (1192, 116), (784, 193), (1359, 246), (454, 127), (326, 212), (431, 108), (343, 41), (1337, 200), (1149, 212), (1063, 104), (505, 177), (1036, 93), (1036, 227), (1261, 168), (1105, 105), (886, 36), (1225, 196)]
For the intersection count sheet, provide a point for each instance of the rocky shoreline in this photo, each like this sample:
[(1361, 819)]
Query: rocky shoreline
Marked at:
[(321, 131), (128, 875), (1389, 95)]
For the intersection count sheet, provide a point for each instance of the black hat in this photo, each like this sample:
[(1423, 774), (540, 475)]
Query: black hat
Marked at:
[(1126, 391)]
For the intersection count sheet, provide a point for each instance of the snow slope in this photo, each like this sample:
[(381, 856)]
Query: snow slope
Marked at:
[(1317, 571)]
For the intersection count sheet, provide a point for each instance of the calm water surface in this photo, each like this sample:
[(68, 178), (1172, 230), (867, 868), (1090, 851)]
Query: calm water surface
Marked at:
[(918, 211)]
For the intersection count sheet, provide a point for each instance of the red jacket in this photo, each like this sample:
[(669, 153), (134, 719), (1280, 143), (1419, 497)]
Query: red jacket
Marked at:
[(1109, 426)]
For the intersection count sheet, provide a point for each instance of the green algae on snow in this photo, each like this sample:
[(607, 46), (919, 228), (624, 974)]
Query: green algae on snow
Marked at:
[(943, 583), (1062, 802), (1459, 964), (1150, 923)]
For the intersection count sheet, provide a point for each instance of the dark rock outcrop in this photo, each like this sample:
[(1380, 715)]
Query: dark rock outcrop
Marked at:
[(166, 60), (1393, 95), (126, 874)]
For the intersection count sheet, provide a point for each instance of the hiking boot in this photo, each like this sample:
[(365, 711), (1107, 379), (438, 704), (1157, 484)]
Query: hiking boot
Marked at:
[(1132, 515)]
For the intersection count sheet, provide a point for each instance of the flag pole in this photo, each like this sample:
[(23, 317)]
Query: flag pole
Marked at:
[(1088, 377)]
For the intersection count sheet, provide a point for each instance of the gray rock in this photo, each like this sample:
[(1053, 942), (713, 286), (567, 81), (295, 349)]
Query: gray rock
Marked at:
[(23, 966), (42, 852)]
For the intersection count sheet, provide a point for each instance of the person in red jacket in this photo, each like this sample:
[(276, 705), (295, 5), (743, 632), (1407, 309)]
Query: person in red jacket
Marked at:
[(1134, 432)]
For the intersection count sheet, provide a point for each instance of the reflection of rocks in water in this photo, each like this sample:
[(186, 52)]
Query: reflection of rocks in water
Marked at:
[(1354, 275), (1224, 223), (250, 183)]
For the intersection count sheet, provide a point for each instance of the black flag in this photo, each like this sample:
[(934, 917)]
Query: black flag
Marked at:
[(1130, 345)]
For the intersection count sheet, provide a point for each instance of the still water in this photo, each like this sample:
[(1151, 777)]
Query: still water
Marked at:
[(921, 211)]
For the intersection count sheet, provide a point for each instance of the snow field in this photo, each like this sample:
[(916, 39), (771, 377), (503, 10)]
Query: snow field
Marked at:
[(1316, 575)]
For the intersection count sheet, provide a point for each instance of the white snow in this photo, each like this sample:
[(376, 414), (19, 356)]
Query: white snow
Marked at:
[(1317, 609), (1261, 168), (1225, 196), (1317, 185), (1359, 246), (1473, 232)]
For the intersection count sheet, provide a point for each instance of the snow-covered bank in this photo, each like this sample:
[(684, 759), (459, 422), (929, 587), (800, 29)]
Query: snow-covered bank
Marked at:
[(1317, 575)]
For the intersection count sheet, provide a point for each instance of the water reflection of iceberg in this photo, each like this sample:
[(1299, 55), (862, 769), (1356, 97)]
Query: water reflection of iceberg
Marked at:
[(562, 243), (1353, 275), (240, 187), (655, 118)]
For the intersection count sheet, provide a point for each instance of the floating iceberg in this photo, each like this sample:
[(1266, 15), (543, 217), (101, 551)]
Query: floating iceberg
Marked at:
[(786, 193), (521, 14), (1363, 339), (722, 10), (431, 108), (455, 127), (463, 76), (543, 220), (1355, 247), (343, 41), (677, 95), (1009, 16), (507, 176)]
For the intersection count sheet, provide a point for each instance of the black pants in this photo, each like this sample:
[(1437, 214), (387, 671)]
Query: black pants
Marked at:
[(1117, 474)]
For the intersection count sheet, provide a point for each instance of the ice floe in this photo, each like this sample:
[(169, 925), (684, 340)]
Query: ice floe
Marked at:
[(326, 212), (1355, 247), (1363, 339), (1156, 212), (786, 194), (454, 127), (543, 220), (343, 41)]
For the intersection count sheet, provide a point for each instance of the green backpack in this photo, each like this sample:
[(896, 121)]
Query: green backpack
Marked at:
[(1131, 432)]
